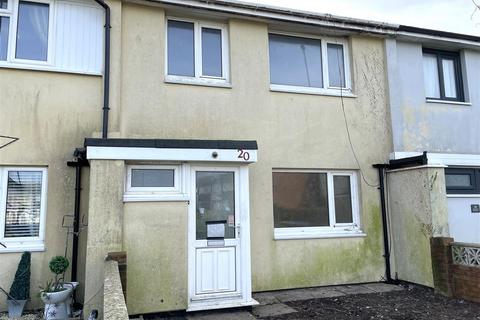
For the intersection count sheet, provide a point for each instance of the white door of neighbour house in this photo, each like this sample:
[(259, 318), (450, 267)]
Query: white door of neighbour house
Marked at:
[(219, 258)]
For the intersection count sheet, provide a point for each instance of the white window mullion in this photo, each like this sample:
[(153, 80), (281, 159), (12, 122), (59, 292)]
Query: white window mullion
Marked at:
[(225, 55), (355, 200), (197, 47), (326, 80), (331, 200)]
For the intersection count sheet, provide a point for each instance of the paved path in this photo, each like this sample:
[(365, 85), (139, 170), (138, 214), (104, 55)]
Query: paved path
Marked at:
[(272, 303)]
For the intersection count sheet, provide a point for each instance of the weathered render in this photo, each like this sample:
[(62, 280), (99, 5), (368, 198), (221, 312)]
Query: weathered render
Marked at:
[(292, 130), (49, 113), (417, 212)]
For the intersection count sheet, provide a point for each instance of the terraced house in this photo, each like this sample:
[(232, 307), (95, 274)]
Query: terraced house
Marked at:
[(227, 148)]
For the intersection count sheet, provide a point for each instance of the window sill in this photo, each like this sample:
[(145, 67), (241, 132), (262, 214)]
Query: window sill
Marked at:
[(33, 67), (346, 93), (206, 82), (21, 246), (155, 197), (286, 234), (449, 102)]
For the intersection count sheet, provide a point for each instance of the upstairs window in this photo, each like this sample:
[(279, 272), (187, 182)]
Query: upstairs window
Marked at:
[(27, 40), (22, 208), (32, 31), (315, 204), (196, 51), (31, 25), (442, 75), (314, 64)]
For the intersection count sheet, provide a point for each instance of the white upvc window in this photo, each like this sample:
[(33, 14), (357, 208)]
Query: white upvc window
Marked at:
[(23, 201), (315, 204), (154, 183), (309, 64), (196, 52), (51, 35), (26, 31)]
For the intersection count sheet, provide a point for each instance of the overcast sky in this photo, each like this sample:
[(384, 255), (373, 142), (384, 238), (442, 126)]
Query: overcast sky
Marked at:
[(447, 15)]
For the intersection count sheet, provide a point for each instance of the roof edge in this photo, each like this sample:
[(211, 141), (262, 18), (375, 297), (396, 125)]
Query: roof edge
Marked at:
[(264, 11), (171, 143)]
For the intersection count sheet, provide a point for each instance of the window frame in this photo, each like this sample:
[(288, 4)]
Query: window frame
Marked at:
[(327, 89), (12, 13), (19, 244), (459, 85), (198, 77), (178, 192), (474, 174), (334, 230)]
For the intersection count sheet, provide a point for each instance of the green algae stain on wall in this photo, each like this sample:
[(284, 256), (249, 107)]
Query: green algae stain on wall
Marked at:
[(318, 262)]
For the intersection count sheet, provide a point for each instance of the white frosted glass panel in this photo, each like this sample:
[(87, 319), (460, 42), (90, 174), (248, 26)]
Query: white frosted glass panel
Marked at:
[(79, 36), (449, 78), (153, 178), (430, 74), (32, 31), (295, 61)]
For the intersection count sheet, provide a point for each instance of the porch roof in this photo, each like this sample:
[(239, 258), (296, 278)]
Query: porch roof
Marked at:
[(172, 143)]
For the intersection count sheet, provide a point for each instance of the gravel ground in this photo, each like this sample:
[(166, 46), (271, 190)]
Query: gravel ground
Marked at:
[(28, 316), (415, 303)]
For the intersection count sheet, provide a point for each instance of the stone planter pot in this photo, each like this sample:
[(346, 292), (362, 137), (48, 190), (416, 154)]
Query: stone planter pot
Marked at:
[(15, 308), (56, 304)]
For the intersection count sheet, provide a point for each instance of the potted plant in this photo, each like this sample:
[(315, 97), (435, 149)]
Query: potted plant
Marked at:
[(55, 293), (20, 289)]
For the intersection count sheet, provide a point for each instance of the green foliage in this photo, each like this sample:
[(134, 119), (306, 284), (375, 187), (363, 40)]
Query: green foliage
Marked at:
[(20, 289), (50, 287), (58, 265)]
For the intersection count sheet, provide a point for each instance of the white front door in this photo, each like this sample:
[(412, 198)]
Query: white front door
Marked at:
[(219, 262)]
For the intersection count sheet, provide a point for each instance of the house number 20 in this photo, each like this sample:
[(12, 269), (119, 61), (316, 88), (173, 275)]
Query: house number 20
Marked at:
[(244, 155)]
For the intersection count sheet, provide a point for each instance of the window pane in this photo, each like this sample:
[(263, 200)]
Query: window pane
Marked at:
[(295, 61), (153, 178), (449, 78), (32, 31), (3, 4), (430, 74), (336, 65), (4, 26), (343, 199), (215, 202), (181, 53), (458, 180), (24, 192), (212, 52), (300, 199)]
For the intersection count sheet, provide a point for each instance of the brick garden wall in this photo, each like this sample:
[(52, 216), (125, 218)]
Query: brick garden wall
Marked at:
[(450, 278)]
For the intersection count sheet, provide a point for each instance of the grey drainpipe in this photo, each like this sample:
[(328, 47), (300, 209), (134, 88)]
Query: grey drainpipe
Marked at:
[(106, 76)]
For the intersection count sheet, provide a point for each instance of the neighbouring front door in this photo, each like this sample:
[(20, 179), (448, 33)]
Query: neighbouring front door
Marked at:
[(216, 248)]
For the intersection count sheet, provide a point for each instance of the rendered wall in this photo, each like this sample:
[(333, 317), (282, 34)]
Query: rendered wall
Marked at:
[(51, 113), (292, 130), (155, 239), (105, 225), (417, 212), (435, 127)]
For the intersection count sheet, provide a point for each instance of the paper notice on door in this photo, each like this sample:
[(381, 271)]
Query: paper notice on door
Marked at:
[(231, 220)]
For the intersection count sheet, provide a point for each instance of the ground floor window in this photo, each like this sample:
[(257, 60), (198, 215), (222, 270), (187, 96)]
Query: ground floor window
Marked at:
[(315, 203), (462, 180), (22, 208)]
